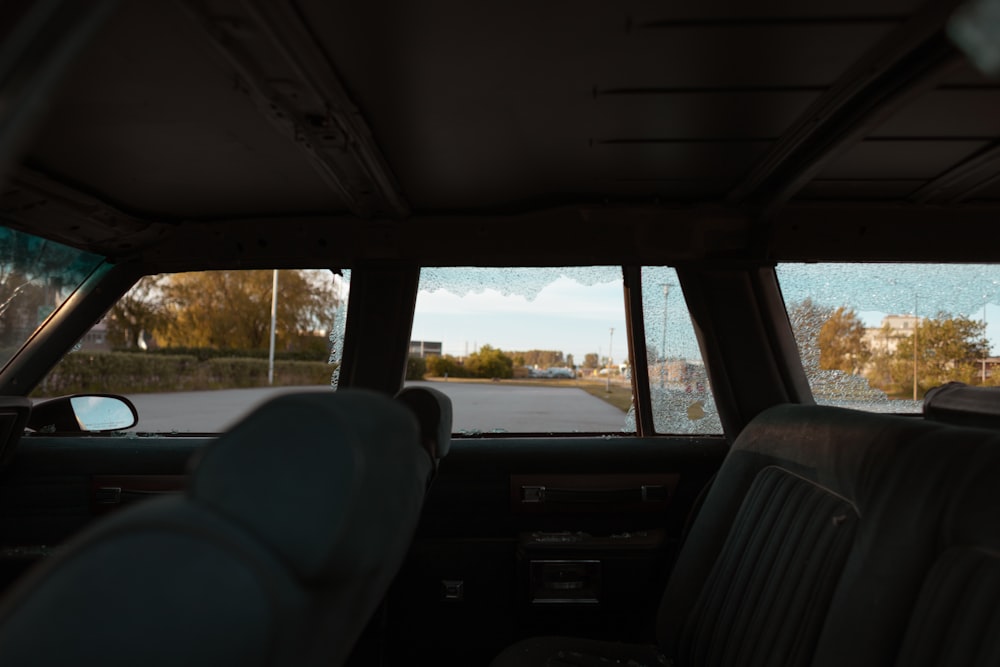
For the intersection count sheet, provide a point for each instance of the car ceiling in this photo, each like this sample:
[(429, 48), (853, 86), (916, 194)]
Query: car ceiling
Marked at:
[(693, 129)]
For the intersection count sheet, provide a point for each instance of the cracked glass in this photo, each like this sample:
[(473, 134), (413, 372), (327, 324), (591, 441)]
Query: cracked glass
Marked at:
[(525, 350), (877, 337)]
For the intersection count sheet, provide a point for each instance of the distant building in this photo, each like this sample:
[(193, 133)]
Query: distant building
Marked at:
[(886, 337), (424, 349)]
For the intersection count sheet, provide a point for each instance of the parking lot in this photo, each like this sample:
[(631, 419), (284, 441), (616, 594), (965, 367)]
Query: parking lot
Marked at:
[(479, 407)]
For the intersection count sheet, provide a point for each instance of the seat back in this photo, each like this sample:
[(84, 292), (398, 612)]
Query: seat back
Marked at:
[(837, 537), (293, 525), (761, 565)]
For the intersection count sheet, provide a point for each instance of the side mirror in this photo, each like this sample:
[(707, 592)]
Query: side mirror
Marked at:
[(88, 413)]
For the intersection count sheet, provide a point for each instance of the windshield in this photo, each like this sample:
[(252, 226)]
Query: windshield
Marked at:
[(36, 276)]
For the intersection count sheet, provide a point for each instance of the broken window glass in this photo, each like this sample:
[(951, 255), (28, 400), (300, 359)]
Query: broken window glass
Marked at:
[(680, 392), (878, 336), (525, 350)]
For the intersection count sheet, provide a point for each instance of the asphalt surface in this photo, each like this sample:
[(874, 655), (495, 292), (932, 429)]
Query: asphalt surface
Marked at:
[(478, 407)]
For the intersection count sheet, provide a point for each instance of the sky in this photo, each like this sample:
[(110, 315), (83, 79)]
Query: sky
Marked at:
[(564, 315), (573, 310)]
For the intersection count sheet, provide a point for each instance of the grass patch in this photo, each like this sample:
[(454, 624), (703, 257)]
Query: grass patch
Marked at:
[(620, 395)]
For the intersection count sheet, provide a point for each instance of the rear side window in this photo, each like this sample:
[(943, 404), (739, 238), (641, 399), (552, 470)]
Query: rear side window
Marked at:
[(679, 389), (878, 336), (545, 350), (525, 350)]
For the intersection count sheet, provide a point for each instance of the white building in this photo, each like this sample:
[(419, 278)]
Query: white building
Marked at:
[(886, 337)]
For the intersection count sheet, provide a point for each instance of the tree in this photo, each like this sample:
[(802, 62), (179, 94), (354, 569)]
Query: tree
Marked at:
[(807, 319), (590, 360), (35, 277), (490, 362), (445, 366), (415, 368), (232, 309), (948, 348), (841, 342), (140, 311), (540, 358)]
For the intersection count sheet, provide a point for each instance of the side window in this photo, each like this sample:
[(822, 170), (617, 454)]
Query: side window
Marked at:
[(879, 336), (678, 383), (525, 350), (545, 350), (193, 350)]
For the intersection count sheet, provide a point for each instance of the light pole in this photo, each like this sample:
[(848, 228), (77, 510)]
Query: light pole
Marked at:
[(986, 344), (611, 342), (663, 342), (274, 320)]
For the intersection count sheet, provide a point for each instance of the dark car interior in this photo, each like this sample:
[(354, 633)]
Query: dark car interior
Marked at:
[(717, 138)]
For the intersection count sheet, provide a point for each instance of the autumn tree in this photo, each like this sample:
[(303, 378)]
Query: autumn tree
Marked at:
[(35, 276), (948, 348), (141, 311), (807, 319), (841, 342), (590, 360), (232, 309)]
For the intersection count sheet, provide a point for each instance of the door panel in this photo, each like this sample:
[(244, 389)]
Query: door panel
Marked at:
[(487, 568), (56, 485)]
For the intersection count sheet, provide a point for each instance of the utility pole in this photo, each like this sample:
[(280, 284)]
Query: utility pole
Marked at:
[(986, 341), (274, 321), (663, 342), (611, 342)]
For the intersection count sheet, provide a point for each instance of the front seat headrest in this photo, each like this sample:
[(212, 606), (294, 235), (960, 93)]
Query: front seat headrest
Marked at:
[(348, 461), (434, 413)]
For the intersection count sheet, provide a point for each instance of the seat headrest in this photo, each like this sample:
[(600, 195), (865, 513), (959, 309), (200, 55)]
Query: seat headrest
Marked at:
[(433, 411), (323, 478), (958, 403)]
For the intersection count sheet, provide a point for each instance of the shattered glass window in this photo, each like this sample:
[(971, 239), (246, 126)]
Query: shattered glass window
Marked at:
[(877, 337), (196, 351), (36, 276), (339, 326), (525, 350), (679, 388)]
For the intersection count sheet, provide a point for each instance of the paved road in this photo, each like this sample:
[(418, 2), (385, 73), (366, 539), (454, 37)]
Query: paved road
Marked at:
[(478, 407)]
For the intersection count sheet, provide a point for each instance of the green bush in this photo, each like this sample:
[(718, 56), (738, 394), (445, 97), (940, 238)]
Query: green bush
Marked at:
[(85, 372), (131, 373), (416, 367), (316, 352), (446, 365)]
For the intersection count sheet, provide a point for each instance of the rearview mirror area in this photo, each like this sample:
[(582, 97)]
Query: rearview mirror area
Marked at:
[(86, 413)]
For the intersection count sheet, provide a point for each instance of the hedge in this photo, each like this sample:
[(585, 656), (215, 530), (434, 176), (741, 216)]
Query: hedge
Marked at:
[(131, 373)]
